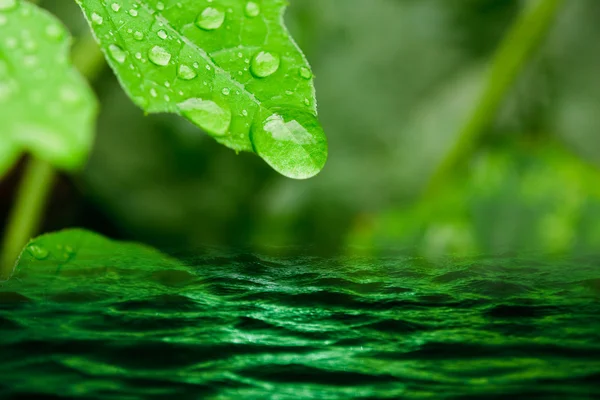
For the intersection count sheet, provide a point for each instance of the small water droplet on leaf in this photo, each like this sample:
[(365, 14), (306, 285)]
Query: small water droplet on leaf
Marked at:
[(210, 18), (185, 72), (38, 252), (117, 53), (252, 9), (207, 114), (264, 64), (305, 73), (159, 56)]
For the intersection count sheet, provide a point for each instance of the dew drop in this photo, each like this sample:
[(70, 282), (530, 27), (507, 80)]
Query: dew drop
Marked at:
[(137, 35), (97, 19), (159, 56), (252, 9), (208, 115), (54, 31), (117, 53), (133, 12), (305, 73), (38, 252), (264, 64), (226, 91), (210, 19), (6, 5), (153, 92), (3, 19), (185, 72), (162, 34), (160, 6), (115, 7), (69, 95), (290, 134)]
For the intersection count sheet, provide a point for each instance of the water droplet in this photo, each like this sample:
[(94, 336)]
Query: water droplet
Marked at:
[(133, 12), (159, 56), (68, 94), (208, 115), (38, 252), (3, 19), (115, 7), (11, 42), (138, 55), (117, 53), (291, 134), (153, 92), (185, 72), (252, 9), (264, 64), (162, 34), (6, 5), (160, 6), (54, 31), (305, 73), (210, 19), (226, 91), (97, 19), (137, 35)]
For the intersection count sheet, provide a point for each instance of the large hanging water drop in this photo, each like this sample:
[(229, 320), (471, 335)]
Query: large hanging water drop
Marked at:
[(159, 56), (208, 115), (264, 64), (210, 19), (291, 141)]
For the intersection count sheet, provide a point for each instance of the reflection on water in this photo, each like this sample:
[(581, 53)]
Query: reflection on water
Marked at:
[(242, 326)]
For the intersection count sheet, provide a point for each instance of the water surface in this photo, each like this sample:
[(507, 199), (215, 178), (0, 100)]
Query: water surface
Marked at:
[(241, 326)]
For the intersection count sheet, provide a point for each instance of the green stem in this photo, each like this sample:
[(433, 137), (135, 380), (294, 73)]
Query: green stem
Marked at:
[(510, 58), (35, 187), (26, 214)]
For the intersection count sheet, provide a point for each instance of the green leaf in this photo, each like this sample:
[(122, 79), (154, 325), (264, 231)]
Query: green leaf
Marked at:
[(229, 66), (71, 259), (46, 107)]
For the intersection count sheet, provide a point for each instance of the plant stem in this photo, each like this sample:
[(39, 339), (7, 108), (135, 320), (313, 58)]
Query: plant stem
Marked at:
[(510, 58), (27, 211), (36, 184)]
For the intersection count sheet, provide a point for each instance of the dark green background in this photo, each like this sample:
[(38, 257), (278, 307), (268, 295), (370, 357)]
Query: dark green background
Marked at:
[(391, 76)]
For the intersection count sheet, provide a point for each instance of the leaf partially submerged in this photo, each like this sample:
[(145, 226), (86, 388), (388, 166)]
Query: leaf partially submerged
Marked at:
[(69, 260), (46, 107), (229, 66)]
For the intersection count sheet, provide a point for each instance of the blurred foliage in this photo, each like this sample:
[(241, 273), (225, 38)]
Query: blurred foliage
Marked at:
[(395, 79)]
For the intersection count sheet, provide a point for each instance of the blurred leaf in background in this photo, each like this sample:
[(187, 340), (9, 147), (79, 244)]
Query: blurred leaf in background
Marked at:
[(395, 80)]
